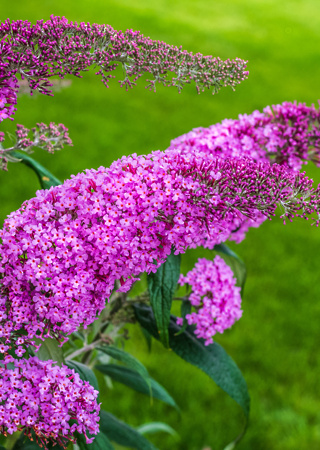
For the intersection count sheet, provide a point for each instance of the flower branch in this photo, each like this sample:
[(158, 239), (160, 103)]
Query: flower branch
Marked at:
[(79, 238), (59, 48)]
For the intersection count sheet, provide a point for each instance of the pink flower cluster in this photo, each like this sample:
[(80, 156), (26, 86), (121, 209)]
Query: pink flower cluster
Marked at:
[(214, 295), (59, 47), (36, 395), (63, 250), (286, 134)]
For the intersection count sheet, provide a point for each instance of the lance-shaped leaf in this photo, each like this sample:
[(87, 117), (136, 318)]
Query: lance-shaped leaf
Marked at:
[(24, 443), (34, 446), (50, 350), (156, 427), (237, 265), (128, 360), (132, 379), (185, 309), (211, 359), (46, 178), (161, 286), (148, 338), (101, 442), (123, 434)]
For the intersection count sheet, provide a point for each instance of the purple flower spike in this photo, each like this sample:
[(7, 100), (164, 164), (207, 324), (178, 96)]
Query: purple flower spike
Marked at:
[(58, 47), (63, 250)]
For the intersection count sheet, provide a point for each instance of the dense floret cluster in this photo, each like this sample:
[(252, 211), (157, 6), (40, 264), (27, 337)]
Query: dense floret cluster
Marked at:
[(50, 400), (63, 250), (215, 297), (58, 47)]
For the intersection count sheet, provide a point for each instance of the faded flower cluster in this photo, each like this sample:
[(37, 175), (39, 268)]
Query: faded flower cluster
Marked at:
[(50, 400), (215, 297), (58, 47)]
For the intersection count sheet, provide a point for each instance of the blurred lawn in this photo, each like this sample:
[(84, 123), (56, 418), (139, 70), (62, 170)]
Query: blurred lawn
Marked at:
[(276, 342)]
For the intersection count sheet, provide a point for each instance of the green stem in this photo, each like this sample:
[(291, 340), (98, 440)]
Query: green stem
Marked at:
[(86, 348)]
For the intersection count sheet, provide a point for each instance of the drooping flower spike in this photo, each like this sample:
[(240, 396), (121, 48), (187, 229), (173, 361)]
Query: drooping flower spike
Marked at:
[(50, 400), (58, 47), (63, 250), (287, 134), (215, 297)]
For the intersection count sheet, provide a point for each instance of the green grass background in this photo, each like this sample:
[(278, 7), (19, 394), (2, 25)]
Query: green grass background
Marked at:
[(276, 342)]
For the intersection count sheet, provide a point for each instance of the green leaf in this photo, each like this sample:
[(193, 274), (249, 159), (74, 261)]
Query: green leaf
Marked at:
[(123, 434), (78, 335), (96, 328), (211, 359), (19, 442), (236, 264), (147, 337), (101, 442), (49, 350), (161, 286), (156, 427), (235, 442), (230, 446), (128, 360), (10, 158), (34, 446), (31, 446), (85, 373), (24, 443), (45, 177), (133, 380), (185, 309)]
